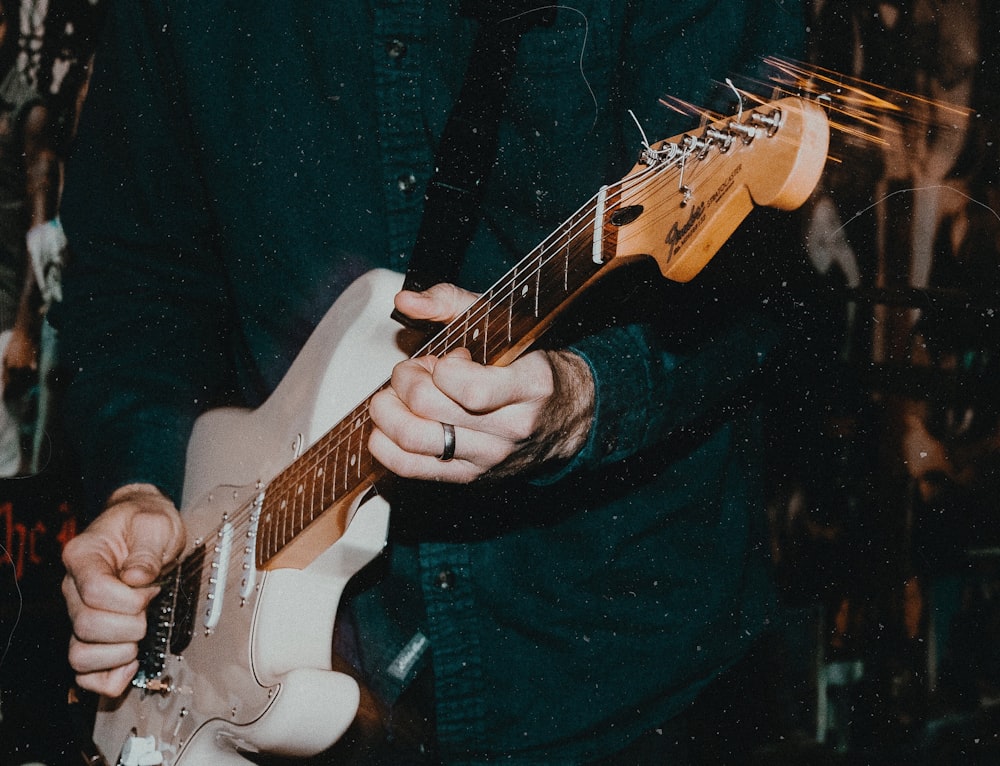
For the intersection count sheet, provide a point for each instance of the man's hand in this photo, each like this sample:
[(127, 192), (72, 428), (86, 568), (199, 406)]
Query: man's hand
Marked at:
[(110, 569), (505, 419)]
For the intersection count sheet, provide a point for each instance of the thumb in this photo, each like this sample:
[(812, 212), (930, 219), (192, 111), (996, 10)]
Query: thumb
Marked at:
[(154, 540), (440, 303)]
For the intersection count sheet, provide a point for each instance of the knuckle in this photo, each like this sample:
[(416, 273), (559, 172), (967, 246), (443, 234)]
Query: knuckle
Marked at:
[(541, 386), (475, 398), (89, 627), (91, 592), (422, 400), (378, 407), (402, 374), (77, 654), (69, 553), (401, 465), (467, 472), (522, 431), (68, 587), (409, 441)]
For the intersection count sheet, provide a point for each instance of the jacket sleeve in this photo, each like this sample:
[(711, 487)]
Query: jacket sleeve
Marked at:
[(142, 326)]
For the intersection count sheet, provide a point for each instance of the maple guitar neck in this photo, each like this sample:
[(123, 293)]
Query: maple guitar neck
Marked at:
[(678, 205)]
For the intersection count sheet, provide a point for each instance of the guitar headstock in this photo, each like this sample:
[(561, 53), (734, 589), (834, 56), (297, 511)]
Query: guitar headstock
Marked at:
[(687, 194)]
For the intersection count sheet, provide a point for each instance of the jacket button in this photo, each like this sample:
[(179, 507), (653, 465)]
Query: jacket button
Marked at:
[(395, 49), (445, 579)]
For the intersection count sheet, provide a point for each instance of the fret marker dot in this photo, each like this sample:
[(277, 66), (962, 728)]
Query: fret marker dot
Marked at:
[(524, 291), (354, 459), (475, 334)]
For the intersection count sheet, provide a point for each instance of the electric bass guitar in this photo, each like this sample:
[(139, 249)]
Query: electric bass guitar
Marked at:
[(281, 503)]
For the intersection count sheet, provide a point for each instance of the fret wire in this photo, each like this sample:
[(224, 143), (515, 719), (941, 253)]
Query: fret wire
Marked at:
[(361, 422), (274, 516), (349, 456), (359, 430), (332, 478), (309, 494), (298, 521), (289, 514), (295, 517), (272, 537), (338, 470), (276, 522), (320, 475)]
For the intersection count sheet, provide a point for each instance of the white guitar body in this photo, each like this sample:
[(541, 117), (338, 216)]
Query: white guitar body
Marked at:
[(261, 678)]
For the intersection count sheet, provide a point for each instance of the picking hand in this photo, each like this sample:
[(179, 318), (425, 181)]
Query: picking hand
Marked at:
[(453, 419), (110, 568)]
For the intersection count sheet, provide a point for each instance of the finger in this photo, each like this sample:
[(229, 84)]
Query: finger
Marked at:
[(110, 683), (154, 540), (397, 422), (440, 303), (484, 389), (412, 386), (85, 657), (91, 583), (411, 446), (102, 626), (420, 466), (426, 438)]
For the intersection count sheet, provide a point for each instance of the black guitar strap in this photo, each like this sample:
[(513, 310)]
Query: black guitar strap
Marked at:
[(467, 149)]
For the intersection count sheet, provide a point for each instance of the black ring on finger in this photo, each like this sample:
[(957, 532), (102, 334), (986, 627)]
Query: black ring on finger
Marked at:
[(449, 443)]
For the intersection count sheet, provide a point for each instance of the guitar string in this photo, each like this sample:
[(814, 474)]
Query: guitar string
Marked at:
[(340, 436), (543, 254), (580, 224), (449, 336), (355, 426), (527, 270)]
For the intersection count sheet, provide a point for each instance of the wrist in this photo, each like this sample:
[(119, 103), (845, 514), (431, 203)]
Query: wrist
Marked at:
[(573, 400), (134, 491)]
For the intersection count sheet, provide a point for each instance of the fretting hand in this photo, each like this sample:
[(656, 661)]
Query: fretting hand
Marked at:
[(453, 419)]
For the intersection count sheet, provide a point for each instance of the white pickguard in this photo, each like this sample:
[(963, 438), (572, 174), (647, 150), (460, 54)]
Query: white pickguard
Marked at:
[(261, 679)]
